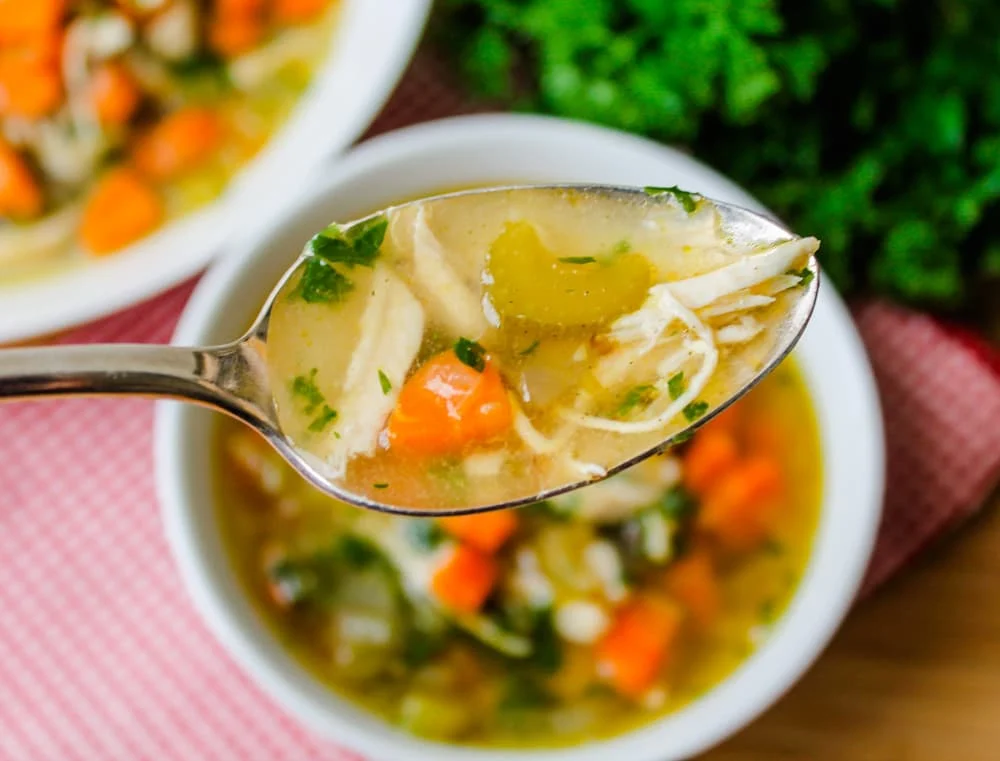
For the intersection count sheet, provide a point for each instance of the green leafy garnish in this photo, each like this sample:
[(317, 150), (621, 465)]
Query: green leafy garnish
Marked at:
[(683, 197), (356, 552), (304, 387), (534, 345), (682, 437), (767, 612), (622, 247), (471, 353), (312, 578), (805, 275), (380, 485), (357, 245), (577, 259), (547, 653), (423, 533), (326, 416), (322, 284), (521, 692), (677, 503), (384, 382), (695, 410), (676, 385), (639, 396)]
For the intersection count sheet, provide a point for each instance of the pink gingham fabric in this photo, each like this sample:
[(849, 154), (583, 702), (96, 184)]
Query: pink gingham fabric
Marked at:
[(102, 657)]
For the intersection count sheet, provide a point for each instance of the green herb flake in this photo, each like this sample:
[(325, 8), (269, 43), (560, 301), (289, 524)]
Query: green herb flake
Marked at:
[(384, 382), (622, 247), (531, 349), (687, 200), (805, 275), (471, 353), (547, 653), (424, 534), (321, 421), (768, 611), (677, 504), (682, 437), (522, 693), (355, 551), (577, 259), (695, 410), (380, 485), (639, 396), (321, 284), (304, 387), (676, 385)]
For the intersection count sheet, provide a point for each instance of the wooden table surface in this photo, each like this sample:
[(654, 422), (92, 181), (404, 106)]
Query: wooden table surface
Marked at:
[(913, 674)]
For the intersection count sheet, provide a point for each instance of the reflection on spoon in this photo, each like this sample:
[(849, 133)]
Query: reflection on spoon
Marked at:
[(487, 348)]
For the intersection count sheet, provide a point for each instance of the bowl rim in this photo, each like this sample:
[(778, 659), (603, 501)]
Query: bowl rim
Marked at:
[(823, 595), (317, 129)]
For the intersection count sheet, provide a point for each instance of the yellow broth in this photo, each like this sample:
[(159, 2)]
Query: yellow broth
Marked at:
[(463, 690), (526, 340)]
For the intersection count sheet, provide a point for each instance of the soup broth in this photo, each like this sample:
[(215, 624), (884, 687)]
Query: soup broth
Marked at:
[(581, 617)]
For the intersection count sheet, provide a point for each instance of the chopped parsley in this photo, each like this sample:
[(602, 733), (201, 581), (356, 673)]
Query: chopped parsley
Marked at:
[(322, 284), (622, 247), (677, 504), (639, 396), (695, 410), (357, 245), (321, 421), (384, 382), (424, 534), (304, 386), (577, 259), (471, 353), (534, 345), (380, 486), (805, 275), (684, 198), (676, 385), (682, 437)]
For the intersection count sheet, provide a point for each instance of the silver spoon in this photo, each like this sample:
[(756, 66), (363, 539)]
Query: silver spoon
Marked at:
[(233, 378)]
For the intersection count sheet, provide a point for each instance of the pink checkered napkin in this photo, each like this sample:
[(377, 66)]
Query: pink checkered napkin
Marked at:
[(102, 657)]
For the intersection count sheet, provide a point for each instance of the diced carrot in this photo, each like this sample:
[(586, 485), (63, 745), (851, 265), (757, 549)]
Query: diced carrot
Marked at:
[(28, 87), (179, 143), (234, 8), (711, 454), (114, 94), (739, 510), (298, 11), (447, 405), (692, 582), (20, 193), (764, 435), (465, 579), (729, 420), (485, 531), (232, 35), (22, 19), (121, 209), (638, 644)]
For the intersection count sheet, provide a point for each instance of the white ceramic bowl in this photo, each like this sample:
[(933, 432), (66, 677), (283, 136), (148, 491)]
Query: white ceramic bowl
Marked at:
[(370, 49), (496, 149)]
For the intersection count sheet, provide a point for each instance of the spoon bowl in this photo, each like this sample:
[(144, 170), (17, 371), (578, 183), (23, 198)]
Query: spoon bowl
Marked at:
[(237, 379)]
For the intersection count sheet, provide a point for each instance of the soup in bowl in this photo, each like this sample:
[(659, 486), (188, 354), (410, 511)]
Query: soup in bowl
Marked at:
[(675, 617)]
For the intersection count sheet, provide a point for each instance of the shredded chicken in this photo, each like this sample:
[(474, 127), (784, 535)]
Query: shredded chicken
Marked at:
[(392, 328), (738, 332), (173, 34), (252, 70), (452, 301), (610, 501), (702, 290)]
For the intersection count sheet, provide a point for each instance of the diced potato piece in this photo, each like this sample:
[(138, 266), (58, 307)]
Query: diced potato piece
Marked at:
[(526, 280)]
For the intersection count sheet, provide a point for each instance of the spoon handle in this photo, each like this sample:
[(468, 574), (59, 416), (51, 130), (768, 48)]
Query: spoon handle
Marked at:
[(230, 378)]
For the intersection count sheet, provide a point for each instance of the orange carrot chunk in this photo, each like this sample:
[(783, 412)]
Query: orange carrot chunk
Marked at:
[(28, 87), (179, 143), (739, 510), (712, 453), (465, 579), (114, 94), (638, 645), (234, 8), (121, 209), (231, 35), (298, 11), (692, 582), (20, 193), (486, 532), (22, 19), (447, 405)]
